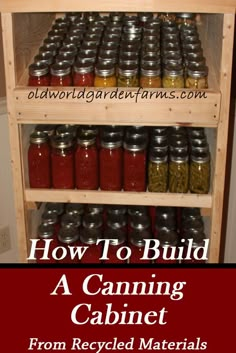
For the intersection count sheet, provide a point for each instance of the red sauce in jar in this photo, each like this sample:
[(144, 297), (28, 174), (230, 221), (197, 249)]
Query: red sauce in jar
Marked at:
[(86, 163), (62, 160), (39, 161), (39, 75), (135, 165), (83, 75), (111, 160), (61, 74)]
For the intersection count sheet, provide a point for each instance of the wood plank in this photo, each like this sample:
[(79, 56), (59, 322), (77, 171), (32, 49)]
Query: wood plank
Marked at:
[(215, 6), (119, 197), (112, 110)]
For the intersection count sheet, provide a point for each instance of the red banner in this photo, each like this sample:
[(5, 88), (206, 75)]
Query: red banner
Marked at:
[(129, 310)]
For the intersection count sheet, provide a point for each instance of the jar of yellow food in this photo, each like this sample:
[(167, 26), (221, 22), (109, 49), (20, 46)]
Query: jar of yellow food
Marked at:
[(199, 176), (105, 75), (128, 75), (197, 77), (158, 171), (178, 172), (150, 76), (173, 76)]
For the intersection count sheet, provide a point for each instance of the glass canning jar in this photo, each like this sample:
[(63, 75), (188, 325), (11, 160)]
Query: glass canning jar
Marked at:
[(134, 164), (75, 208), (168, 240), (150, 76), (178, 172), (137, 242), (61, 74), (128, 75), (199, 173), (44, 232), (105, 75), (39, 165), (198, 237), (44, 58), (158, 171), (197, 77), (39, 75), (62, 161), (68, 236), (173, 76), (111, 163), (117, 240), (86, 163), (185, 18), (55, 207)]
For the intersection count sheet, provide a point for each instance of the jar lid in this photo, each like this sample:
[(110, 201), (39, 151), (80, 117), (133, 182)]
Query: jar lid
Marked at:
[(166, 224), (92, 220), (165, 212), (130, 20), (113, 130), (95, 208), (150, 58), (52, 44), (116, 210), (49, 218), (199, 144), (153, 23), (150, 70), (172, 58), (86, 139), (190, 212), (135, 144), (71, 220), (66, 57), (60, 69), (159, 141), (189, 47), (45, 231), (132, 29), (137, 210), (179, 156), (178, 142), (75, 208), (54, 207), (38, 137), (198, 237), (74, 39), (116, 236), (185, 15), (61, 142), (136, 131), (116, 221), (68, 235), (90, 236), (200, 157), (116, 16), (45, 59), (197, 71), (38, 69), (104, 69), (145, 16), (173, 70), (110, 141), (192, 223), (158, 156), (128, 70), (138, 238), (107, 58), (159, 131), (167, 237), (140, 222), (46, 128), (67, 130)]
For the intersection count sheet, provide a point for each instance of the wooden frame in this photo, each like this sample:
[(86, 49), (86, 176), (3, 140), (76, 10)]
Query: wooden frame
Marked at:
[(216, 26)]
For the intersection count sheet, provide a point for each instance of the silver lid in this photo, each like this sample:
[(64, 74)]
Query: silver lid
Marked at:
[(44, 58), (138, 238), (165, 212), (38, 69), (116, 236), (179, 156), (49, 218), (200, 157), (75, 208), (173, 70), (60, 142), (150, 70), (158, 156), (95, 208), (116, 209), (113, 130), (86, 139), (137, 210), (136, 131), (192, 223), (197, 71), (60, 70), (71, 220), (140, 222), (55, 207), (172, 58), (65, 58), (198, 237), (168, 237), (45, 231), (116, 221), (104, 70), (189, 212), (46, 128), (132, 29), (68, 235), (128, 70), (38, 137), (135, 144), (110, 141), (91, 220), (67, 130), (49, 42), (90, 236), (185, 15)]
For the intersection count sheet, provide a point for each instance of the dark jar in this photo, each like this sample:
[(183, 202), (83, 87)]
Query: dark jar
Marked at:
[(115, 252), (45, 232), (39, 161), (168, 242), (62, 159), (61, 74), (135, 164), (83, 74), (67, 236), (137, 242), (86, 163), (111, 162), (39, 75), (194, 246)]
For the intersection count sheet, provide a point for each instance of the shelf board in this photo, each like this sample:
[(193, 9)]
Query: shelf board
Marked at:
[(109, 109), (118, 197)]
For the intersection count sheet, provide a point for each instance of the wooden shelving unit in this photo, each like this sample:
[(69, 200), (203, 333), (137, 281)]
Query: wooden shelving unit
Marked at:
[(25, 23)]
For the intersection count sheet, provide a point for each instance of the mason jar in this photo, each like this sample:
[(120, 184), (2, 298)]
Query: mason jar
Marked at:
[(197, 77), (128, 75), (173, 76), (150, 76), (199, 174), (105, 75), (158, 171), (179, 172)]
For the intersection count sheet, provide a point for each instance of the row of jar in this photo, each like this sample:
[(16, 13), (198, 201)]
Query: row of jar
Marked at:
[(125, 241), (118, 164)]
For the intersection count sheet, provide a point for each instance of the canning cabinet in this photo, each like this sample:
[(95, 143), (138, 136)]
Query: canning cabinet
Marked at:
[(25, 24)]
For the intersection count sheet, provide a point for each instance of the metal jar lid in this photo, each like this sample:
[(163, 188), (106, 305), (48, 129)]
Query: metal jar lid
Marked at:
[(45, 231), (190, 212), (38, 137), (44, 58), (178, 156), (86, 139), (116, 221), (116, 209), (107, 58), (172, 58), (49, 218), (150, 70), (113, 130), (68, 235), (171, 50), (116, 16), (116, 236), (49, 42), (74, 39), (104, 70), (167, 237), (60, 142), (185, 15), (196, 132), (128, 70), (150, 58), (159, 131), (145, 16), (165, 212), (46, 128), (134, 144), (93, 208), (199, 144), (198, 237), (140, 222), (178, 142), (90, 236), (38, 69), (136, 131), (138, 238), (195, 71), (48, 50), (192, 223), (137, 210), (54, 207), (60, 70), (200, 157), (92, 220), (111, 142), (70, 220), (75, 208), (168, 223), (158, 156), (67, 130), (173, 70)]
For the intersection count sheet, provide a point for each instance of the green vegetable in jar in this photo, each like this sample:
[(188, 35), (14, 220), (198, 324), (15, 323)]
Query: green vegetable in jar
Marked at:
[(131, 81), (199, 180), (157, 177), (178, 177)]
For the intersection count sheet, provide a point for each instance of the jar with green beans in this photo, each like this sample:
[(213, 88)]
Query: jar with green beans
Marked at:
[(199, 179), (158, 171), (179, 171)]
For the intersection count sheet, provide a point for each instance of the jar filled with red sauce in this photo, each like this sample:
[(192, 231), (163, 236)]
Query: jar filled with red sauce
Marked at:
[(45, 231), (134, 164), (62, 161), (83, 74), (168, 240), (117, 240), (198, 237), (61, 74), (111, 163), (39, 161), (86, 163), (68, 236), (39, 75), (137, 242)]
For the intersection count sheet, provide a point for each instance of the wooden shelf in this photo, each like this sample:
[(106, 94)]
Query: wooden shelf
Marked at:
[(118, 197)]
